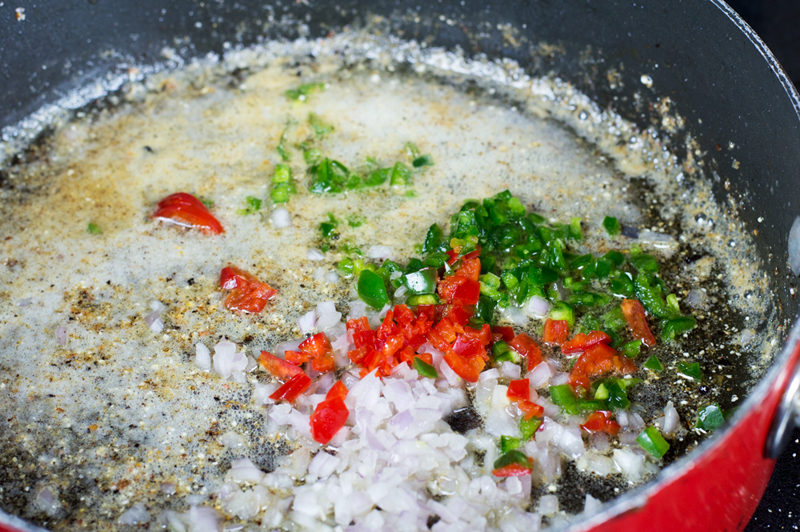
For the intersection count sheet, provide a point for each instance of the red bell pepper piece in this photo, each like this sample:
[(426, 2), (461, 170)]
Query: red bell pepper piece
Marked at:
[(295, 357), (468, 368), (329, 416), (506, 333), (512, 470), (530, 409), (555, 331), (246, 292), (598, 360), (186, 210), (337, 390), (601, 421), (633, 311), (528, 348), (292, 388), (519, 390), (581, 342), (278, 367), (319, 351)]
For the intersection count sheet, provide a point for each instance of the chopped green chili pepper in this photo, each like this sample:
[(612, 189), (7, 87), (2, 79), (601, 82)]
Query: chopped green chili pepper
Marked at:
[(648, 291), (424, 299), (301, 92), (421, 281), (432, 239), (511, 457), (653, 442), (320, 127), (93, 229), (281, 148), (611, 225), (562, 311), (677, 326), (614, 319), (632, 349), (253, 205), (654, 364), (710, 417), (422, 160), (690, 369), (509, 443), (401, 175), (372, 290), (425, 369), (528, 427), (563, 396)]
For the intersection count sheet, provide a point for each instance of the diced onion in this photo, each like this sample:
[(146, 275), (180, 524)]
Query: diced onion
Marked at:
[(379, 252), (280, 218), (315, 254), (307, 322), (202, 356)]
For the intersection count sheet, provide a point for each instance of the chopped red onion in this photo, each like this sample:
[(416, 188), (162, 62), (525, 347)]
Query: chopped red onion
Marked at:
[(379, 252), (315, 254), (280, 218), (540, 375), (548, 505), (307, 322), (202, 356), (243, 470), (537, 306), (153, 320), (227, 361), (61, 335), (135, 515), (47, 502), (327, 315)]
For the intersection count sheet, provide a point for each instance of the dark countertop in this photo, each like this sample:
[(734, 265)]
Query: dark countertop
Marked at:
[(777, 22)]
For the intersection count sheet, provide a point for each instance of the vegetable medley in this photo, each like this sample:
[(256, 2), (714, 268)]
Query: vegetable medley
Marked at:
[(599, 313)]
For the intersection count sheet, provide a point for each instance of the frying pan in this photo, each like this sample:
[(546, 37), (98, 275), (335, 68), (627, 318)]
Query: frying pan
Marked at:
[(700, 54)]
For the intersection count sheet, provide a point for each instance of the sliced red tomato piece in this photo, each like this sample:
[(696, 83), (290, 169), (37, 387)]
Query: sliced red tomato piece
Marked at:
[(468, 368), (292, 388), (506, 333), (581, 342), (512, 470), (278, 367), (530, 409), (555, 331), (634, 314), (337, 390), (329, 416), (519, 390), (527, 347), (186, 210), (598, 360), (246, 292)]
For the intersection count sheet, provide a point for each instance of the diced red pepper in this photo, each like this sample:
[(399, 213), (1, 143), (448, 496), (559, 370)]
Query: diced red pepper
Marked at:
[(357, 325), (581, 342), (319, 350), (519, 390), (633, 311), (528, 348), (295, 357), (337, 390), (292, 388), (468, 368), (555, 331), (329, 416), (467, 292), (246, 292), (598, 360), (459, 314), (530, 409), (278, 367), (512, 470), (506, 333), (186, 210), (601, 421)]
